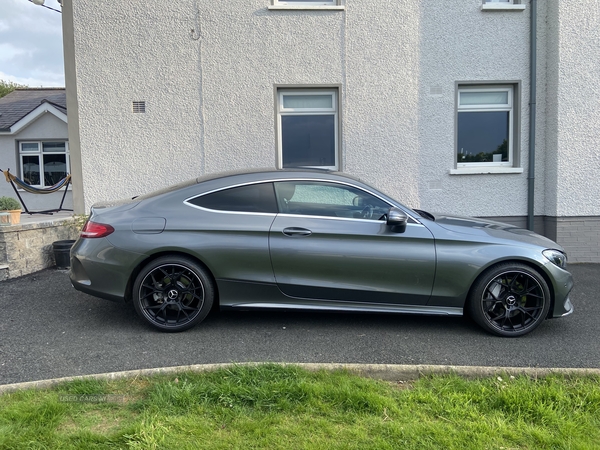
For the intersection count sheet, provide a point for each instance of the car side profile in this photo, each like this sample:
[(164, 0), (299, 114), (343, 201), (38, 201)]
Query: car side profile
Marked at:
[(313, 240)]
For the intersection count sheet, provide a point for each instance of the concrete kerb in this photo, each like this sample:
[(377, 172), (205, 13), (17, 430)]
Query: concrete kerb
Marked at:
[(385, 372)]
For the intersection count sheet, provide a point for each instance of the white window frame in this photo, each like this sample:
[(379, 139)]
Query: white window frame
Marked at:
[(40, 153), (282, 111), (509, 166), (307, 5), (502, 5)]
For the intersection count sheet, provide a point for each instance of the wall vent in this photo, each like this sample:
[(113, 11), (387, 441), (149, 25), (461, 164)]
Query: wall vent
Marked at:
[(139, 107), (436, 91)]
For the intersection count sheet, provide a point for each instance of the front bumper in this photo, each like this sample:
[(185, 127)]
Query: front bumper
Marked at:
[(562, 282)]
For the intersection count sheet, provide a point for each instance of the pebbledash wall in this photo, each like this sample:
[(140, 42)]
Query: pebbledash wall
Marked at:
[(208, 73)]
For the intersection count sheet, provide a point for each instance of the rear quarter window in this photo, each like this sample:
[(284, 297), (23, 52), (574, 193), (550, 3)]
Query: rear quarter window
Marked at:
[(258, 198)]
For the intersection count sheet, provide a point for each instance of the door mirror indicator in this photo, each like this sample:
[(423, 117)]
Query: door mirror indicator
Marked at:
[(397, 220)]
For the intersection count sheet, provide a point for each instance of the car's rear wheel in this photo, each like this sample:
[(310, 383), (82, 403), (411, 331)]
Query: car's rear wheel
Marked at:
[(173, 293), (510, 300)]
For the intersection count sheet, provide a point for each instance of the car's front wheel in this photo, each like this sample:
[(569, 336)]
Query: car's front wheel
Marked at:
[(510, 300), (173, 293)]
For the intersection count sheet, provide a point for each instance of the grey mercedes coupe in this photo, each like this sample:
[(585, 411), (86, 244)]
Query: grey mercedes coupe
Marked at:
[(313, 240)]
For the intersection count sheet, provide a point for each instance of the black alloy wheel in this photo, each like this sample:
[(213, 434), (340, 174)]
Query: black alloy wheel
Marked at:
[(173, 293), (509, 300)]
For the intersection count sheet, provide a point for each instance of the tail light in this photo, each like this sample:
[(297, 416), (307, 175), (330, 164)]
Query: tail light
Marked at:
[(96, 230)]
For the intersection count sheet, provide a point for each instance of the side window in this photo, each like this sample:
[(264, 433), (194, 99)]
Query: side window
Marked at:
[(328, 199), (257, 198)]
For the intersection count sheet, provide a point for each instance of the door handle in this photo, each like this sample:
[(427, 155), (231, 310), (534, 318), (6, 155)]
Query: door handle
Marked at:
[(294, 231)]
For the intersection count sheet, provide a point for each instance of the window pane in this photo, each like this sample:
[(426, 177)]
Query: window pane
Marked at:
[(55, 168), (331, 200), (308, 140), (483, 136), (31, 169), (308, 101), (58, 147), (29, 147), (484, 98), (322, 194), (252, 198)]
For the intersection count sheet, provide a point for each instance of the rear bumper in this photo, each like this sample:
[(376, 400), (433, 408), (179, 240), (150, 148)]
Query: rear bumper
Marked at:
[(100, 269)]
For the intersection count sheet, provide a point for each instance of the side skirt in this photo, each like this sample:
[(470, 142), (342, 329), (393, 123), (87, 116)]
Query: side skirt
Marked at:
[(241, 295)]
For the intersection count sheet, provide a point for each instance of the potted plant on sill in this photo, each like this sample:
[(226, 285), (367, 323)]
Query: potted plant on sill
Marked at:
[(11, 206)]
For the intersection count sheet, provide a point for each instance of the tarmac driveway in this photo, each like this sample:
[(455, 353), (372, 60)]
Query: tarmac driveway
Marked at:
[(48, 330)]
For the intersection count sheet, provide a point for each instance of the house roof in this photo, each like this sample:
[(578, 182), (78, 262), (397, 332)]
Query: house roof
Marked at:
[(20, 102)]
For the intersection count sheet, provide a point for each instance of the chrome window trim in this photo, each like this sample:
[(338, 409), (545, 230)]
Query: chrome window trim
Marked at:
[(275, 180)]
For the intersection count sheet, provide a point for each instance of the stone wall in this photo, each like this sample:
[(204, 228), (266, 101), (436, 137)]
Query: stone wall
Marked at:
[(27, 248)]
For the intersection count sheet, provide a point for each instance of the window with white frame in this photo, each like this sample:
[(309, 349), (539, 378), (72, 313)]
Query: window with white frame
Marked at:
[(485, 126), (305, 2), (502, 5), (308, 128), (43, 163)]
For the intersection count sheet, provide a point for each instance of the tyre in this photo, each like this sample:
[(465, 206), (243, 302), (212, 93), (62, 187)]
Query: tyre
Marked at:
[(509, 300), (173, 293)]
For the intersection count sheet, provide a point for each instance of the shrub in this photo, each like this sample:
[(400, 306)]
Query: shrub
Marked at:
[(9, 204)]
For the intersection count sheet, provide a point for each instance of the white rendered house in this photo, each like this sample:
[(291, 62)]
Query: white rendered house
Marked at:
[(427, 100)]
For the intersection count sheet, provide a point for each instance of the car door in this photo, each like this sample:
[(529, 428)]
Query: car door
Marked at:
[(330, 242), (231, 231)]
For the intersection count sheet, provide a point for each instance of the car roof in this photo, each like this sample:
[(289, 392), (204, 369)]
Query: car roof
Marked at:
[(262, 173), (220, 180)]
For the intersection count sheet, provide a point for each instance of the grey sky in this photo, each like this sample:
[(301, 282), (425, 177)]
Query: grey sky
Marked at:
[(31, 49)]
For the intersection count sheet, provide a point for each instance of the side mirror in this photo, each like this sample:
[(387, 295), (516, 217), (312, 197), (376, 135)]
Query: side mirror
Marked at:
[(397, 220)]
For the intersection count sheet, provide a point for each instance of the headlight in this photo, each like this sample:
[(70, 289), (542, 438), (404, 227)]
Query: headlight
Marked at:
[(557, 258)]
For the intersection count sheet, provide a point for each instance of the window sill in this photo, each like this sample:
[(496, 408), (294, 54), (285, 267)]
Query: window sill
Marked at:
[(306, 8), (502, 7), (485, 170)]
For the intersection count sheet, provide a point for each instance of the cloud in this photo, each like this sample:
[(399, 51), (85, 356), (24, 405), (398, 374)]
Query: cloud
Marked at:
[(31, 49), (38, 79), (9, 52)]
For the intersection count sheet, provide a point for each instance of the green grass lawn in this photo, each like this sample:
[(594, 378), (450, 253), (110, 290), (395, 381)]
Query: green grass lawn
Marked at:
[(272, 406)]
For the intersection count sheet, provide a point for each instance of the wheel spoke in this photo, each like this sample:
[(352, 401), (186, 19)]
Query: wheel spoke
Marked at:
[(189, 308), (154, 282), (145, 296), (513, 281), (160, 308), (526, 312), (181, 310)]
